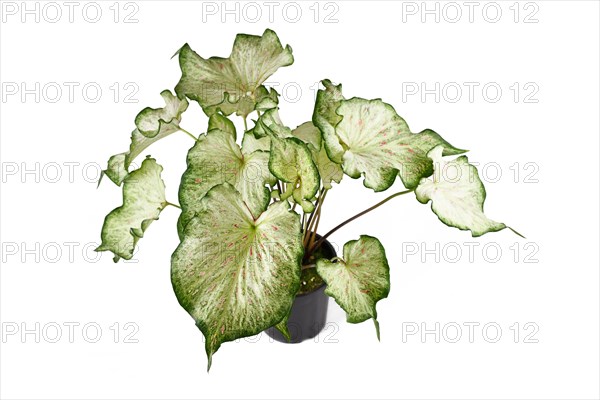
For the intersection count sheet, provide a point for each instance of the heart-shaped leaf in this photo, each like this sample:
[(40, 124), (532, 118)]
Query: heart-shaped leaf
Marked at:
[(359, 280), (152, 125), (457, 194), (380, 146), (143, 200), (232, 84), (115, 170), (267, 100), (235, 274), (269, 124), (309, 134), (291, 161), (250, 143), (222, 123), (216, 158), (153, 121), (325, 118), (328, 170)]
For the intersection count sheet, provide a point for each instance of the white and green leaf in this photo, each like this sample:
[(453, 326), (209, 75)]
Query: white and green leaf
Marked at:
[(235, 274), (250, 143), (232, 84), (269, 124), (456, 194), (116, 170), (282, 327), (309, 134), (267, 100), (222, 123), (325, 118), (143, 200), (380, 146), (291, 161), (328, 170), (151, 126), (119, 164), (359, 280), (153, 121), (216, 158)]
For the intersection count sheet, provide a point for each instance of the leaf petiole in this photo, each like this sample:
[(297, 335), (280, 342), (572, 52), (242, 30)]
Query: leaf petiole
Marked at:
[(171, 204), (188, 133), (324, 237)]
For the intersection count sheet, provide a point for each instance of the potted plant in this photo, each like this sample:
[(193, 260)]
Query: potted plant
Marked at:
[(251, 202)]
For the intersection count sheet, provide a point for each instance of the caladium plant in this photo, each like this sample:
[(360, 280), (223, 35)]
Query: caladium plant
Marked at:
[(251, 205)]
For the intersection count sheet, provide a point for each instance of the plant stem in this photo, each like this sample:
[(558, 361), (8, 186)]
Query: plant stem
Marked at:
[(324, 237), (190, 135), (314, 229), (279, 188), (307, 228), (313, 232), (312, 214), (171, 204), (245, 125), (313, 218), (309, 222)]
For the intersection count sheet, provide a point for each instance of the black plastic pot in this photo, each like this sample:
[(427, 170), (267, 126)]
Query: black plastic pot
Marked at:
[(309, 310)]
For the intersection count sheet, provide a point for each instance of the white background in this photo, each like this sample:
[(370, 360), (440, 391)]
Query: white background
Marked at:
[(375, 50)]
